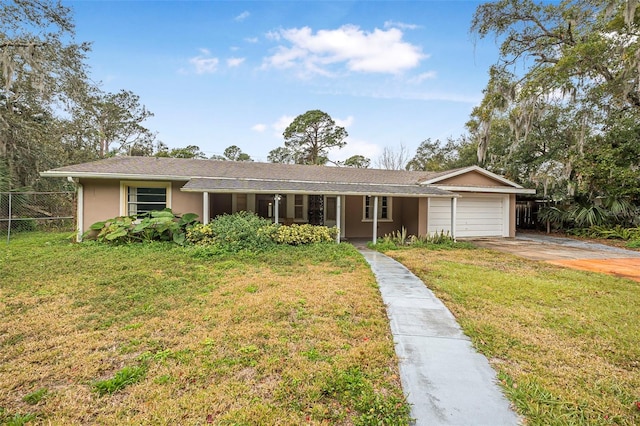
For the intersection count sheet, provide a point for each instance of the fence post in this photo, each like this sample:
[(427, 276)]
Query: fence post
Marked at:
[(9, 221)]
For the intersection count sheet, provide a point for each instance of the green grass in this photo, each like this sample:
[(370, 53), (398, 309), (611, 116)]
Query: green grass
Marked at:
[(565, 343), (156, 333)]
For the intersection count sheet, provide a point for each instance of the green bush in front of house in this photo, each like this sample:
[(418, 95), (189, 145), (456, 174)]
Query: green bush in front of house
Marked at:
[(234, 232), (247, 231), (304, 234), (162, 225)]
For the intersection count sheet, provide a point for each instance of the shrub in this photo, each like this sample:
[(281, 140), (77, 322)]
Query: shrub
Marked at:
[(400, 238), (160, 225), (303, 234), (234, 232)]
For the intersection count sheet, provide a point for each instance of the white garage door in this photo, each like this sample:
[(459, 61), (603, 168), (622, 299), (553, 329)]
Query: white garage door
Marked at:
[(478, 215)]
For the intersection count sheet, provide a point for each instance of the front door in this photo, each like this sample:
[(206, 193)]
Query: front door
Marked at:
[(316, 210)]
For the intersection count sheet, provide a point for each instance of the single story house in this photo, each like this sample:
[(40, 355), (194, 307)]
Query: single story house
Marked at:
[(362, 203)]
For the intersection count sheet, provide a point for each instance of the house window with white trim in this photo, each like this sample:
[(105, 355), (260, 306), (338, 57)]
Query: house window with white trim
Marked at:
[(143, 197), (298, 207), (384, 208)]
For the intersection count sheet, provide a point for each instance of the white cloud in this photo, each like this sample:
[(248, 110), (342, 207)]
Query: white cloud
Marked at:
[(401, 25), (259, 127), (251, 39), (235, 62), (281, 124), (203, 63), (344, 123), (378, 51), (244, 15), (429, 75), (356, 147)]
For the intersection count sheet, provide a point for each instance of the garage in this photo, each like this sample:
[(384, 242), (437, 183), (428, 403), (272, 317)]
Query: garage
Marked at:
[(477, 215)]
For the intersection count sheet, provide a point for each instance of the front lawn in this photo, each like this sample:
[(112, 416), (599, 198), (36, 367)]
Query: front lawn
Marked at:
[(566, 343), (156, 333)]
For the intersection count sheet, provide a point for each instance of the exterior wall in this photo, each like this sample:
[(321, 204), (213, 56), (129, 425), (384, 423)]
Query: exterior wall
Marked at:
[(101, 200), (220, 204), (409, 214), (355, 227), (185, 202), (471, 179)]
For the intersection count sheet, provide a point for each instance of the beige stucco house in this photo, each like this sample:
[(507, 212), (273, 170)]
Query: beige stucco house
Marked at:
[(362, 203)]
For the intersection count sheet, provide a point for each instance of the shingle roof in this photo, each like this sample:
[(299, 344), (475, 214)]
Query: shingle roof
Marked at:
[(269, 186), (185, 169)]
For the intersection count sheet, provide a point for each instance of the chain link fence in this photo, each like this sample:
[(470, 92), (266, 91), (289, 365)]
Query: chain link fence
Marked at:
[(31, 211)]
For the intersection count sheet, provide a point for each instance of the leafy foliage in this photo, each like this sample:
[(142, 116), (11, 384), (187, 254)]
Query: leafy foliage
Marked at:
[(302, 234), (160, 225), (400, 239), (234, 233)]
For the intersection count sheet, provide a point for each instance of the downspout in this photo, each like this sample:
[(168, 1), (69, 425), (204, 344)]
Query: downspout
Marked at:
[(338, 211), (375, 219)]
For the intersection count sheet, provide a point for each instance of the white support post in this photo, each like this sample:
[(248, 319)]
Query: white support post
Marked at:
[(205, 208), (80, 212), (338, 211), (454, 215), (375, 219), (276, 205)]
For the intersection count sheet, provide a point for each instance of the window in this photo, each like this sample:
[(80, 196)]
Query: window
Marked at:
[(298, 207), (384, 208), (143, 197), (330, 208)]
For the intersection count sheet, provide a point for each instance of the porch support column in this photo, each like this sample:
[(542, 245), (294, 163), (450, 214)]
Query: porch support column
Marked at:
[(276, 207), (338, 211), (205, 207), (454, 215), (80, 212), (375, 219)]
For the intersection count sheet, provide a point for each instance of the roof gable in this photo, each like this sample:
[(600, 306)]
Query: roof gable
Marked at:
[(470, 176)]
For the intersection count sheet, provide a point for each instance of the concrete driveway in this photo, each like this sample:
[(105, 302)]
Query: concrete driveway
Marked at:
[(570, 253)]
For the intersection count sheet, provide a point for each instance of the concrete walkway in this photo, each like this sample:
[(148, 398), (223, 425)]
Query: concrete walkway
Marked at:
[(445, 380)]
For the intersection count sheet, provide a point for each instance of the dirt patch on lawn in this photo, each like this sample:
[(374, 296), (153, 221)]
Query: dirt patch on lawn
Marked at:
[(627, 268)]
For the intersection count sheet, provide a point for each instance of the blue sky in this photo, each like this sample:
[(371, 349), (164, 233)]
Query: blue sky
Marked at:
[(221, 73)]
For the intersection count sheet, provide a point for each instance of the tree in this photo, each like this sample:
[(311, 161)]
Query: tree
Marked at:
[(393, 158), (585, 49), (42, 70), (190, 151), (311, 135), (281, 155), (116, 122), (357, 161), (234, 153)]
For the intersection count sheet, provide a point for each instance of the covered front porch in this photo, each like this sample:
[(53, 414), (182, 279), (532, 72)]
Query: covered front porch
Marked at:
[(357, 210)]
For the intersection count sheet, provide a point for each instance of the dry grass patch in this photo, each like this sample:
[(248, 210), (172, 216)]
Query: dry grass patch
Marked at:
[(565, 343), (137, 334)]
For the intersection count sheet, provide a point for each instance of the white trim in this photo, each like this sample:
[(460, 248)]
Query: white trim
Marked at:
[(478, 169), (124, 184), (80, 212), (375, 219), (205, 208), (454, 217), (338, 217), (389, 217), (494, 189)]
